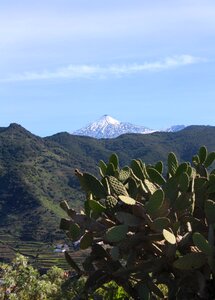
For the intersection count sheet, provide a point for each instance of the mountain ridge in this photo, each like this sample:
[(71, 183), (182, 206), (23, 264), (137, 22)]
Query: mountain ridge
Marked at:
[(108, 127), (37, 173)]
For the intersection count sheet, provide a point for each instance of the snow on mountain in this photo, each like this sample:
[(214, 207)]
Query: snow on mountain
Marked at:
[(175, 128), (108, 127)]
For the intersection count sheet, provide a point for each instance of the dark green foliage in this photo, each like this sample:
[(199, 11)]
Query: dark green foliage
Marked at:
[(116, 233), (155, 202), (91, 184), (114, 160), (137, 169), (155, 176), (86, 240), (37, 173), (159, 167), (151, 232), (210, 211), (172, 163), (71, 262), (202, 154), (210, 159), (202, 244), (191, 261)]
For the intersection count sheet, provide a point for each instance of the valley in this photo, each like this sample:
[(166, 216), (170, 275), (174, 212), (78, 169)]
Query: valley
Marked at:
[(37, 173)]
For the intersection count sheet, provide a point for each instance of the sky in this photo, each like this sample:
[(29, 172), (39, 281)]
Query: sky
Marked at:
[(65, 63)]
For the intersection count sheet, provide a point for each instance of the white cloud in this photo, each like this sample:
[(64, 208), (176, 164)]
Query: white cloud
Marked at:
[(42, 34), (99, 72)]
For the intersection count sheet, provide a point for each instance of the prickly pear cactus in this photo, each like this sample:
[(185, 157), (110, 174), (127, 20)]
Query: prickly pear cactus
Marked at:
[(146, 229)]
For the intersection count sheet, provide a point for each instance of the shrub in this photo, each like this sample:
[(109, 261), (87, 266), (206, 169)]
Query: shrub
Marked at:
[(20, 281), (148, 232)]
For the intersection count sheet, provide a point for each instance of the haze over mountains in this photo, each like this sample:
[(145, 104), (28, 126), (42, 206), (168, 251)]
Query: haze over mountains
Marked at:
[(108, 127), (37, 173)]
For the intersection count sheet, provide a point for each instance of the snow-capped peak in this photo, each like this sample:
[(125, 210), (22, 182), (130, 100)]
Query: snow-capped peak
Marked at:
[(104, 120), (108, 127)]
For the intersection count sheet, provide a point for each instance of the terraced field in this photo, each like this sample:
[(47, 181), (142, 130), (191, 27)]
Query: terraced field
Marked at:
[(41, 255)]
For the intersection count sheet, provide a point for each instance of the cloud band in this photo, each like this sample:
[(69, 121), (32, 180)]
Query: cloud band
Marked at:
[(99, 72)]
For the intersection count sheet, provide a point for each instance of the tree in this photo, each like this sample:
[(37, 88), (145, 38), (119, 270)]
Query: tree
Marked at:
[(20, 281)]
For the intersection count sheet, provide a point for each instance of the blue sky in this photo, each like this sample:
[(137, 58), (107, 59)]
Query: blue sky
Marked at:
[(65, 63)]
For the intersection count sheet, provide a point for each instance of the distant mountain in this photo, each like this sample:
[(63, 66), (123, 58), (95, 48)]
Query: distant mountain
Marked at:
[(175, 128), (37, 173), (108, 127)]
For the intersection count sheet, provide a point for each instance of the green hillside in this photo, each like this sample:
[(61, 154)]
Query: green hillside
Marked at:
[(37, 173)]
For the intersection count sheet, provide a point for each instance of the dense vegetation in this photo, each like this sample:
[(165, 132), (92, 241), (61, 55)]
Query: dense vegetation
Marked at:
[(20, 281), (151, 231), (37, 173), (171, 202)]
